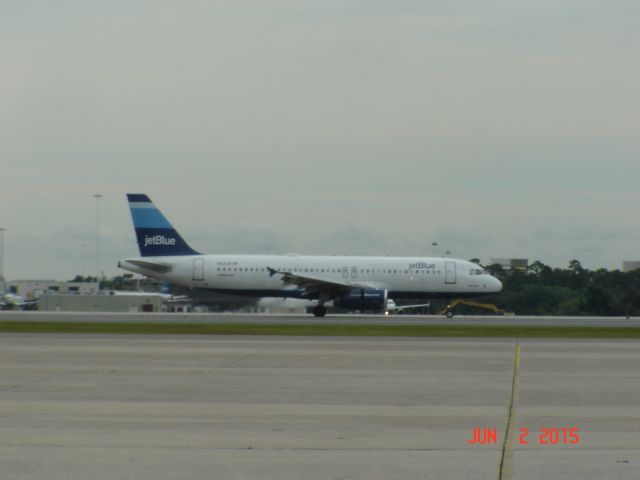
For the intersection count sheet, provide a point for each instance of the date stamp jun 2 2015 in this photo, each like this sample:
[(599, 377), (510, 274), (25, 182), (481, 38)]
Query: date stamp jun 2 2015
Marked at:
[(523, 436)]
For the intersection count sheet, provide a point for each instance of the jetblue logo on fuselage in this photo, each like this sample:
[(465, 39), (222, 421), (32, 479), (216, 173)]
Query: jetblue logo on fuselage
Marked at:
[(158, 240), (421, 265)]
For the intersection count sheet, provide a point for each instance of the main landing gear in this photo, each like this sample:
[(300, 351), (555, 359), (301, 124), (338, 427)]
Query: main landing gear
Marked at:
[(319, 311)]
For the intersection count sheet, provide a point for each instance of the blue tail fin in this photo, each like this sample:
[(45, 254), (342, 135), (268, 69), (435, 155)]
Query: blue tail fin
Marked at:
[(156, 236)]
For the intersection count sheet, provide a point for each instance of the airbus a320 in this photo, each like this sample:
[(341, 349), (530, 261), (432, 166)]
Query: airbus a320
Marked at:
[(362, 283)]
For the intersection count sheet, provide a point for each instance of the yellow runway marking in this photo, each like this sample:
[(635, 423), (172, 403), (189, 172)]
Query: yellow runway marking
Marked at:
[(506, 460)]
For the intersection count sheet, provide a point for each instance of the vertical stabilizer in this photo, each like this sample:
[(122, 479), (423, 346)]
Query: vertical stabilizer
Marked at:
[(156, 236)]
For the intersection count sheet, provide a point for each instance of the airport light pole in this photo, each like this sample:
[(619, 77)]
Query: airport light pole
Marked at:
[(85, 270), (2, 229), (98, 196)]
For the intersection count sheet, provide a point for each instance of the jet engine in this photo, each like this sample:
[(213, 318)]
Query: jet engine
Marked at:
[(362, 299)]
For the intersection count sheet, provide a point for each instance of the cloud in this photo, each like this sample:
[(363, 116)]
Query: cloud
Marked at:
[(496, 128)]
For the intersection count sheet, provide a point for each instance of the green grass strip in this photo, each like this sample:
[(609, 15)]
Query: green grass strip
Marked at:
[(320, 330)]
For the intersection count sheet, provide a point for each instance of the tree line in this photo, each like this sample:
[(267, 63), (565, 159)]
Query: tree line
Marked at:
[(542, 290)]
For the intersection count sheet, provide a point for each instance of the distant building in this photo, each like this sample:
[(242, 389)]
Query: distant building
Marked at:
[(630, 265), (54, 302), (34, 289), (512, 264)]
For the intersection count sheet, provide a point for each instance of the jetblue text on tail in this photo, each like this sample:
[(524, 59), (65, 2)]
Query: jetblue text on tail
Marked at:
[(156, 236)]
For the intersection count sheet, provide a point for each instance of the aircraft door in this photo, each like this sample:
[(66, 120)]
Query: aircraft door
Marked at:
[(198, 269), (450, 275), (345, 272), (354, 272)]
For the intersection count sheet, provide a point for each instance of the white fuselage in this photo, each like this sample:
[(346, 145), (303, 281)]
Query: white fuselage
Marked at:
[(411, 277)]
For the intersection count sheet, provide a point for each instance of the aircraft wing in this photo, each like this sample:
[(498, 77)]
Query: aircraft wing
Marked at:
[(399, 308), (312, 284)]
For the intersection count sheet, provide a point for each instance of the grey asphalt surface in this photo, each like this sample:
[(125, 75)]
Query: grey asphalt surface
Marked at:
[(166, 407), (310, 320)]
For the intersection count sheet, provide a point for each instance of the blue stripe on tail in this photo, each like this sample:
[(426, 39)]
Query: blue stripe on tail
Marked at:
[(149, 218), (156, 236)]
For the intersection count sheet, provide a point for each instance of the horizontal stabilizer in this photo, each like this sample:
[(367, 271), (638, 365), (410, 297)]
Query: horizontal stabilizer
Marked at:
[(155, 266)]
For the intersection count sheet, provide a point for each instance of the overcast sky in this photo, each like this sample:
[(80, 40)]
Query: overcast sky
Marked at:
[(496, 128)]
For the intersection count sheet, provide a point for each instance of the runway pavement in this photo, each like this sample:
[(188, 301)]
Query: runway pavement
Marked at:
[(285, 408), (258, 318)]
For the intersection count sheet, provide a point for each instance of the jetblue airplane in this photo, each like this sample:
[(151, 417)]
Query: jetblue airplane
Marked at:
[(353, 283)]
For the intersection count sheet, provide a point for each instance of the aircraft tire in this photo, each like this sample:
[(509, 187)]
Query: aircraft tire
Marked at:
[(450, 314), (319, 311)]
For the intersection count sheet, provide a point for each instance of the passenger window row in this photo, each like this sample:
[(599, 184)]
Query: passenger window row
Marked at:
[(333, 270)]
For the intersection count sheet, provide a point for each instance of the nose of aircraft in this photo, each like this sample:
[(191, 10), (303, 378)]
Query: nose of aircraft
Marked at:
[(495, 285)]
